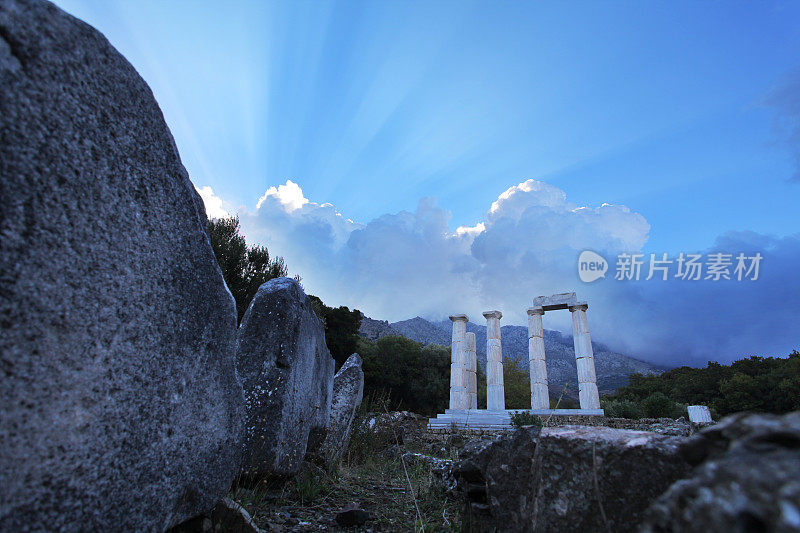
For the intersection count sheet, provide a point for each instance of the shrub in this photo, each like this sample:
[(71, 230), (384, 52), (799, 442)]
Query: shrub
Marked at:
[(524, 418), (622, 409), (658, 405)]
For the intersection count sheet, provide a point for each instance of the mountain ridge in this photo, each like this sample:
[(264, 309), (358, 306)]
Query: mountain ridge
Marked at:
[(612, 368)]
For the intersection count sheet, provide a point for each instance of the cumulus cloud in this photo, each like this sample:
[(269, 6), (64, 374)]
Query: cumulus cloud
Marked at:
[(411, 263), (212, 202), (290, 196)]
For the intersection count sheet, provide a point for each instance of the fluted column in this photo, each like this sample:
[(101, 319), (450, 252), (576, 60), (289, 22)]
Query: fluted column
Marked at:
[(472, 369), (540, 396), (584, 358), (495, 393), (458, 369)]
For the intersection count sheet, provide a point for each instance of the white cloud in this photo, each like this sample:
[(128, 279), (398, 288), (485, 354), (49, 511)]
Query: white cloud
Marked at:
[(471, 231), (410, 263), (212, 202), (289, 195)]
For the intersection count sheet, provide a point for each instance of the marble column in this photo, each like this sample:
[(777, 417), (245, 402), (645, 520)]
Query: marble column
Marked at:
[(584, 358), (495, 393), (472, 371), (540, 396), (458, 369)]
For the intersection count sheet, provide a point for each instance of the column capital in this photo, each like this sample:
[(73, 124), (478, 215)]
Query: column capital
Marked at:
[(535, 311), (493, 314), (580, 306), (459, 318)]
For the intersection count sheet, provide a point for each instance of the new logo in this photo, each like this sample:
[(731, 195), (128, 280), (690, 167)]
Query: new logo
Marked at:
[(591, 266)]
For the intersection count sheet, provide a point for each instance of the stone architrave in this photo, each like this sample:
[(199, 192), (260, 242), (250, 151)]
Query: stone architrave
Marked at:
[(495, 393), (472, 371), (458, 370), (540, 397), (699, 414), (584, 358)]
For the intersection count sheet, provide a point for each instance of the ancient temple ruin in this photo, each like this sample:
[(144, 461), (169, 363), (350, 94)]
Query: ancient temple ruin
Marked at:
[(464, 412)]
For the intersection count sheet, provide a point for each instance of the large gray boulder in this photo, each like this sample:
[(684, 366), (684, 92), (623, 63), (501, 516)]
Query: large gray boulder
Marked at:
[(287, 375), (747, 479), (121, 409), (348, 391), (572, 478)]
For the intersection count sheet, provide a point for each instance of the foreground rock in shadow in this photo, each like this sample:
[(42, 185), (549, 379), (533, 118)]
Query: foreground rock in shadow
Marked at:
[(348, 391), (287, 375), (569, 478), (227, 516), (748, 479), (120, 404)]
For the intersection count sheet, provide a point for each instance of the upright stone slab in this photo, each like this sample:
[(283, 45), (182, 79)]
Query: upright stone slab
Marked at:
[(287, 375), (540, 395), (121, 409), (472, 371), (588, 394), (495, 391), (458, 369), (348, 391), (699, 414)]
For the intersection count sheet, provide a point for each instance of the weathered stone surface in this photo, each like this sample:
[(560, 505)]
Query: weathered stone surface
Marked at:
[(348, 391), (287, 375), (120, 406), (566, 479), (748, 479), (699, 414), (556, 301)]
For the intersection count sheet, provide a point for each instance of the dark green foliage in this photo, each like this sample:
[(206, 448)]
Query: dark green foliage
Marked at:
[(341, 329), (412, 377), (622, 409), (659, 405), (761, 384), (524, 418), (516, 383), (244, 268)]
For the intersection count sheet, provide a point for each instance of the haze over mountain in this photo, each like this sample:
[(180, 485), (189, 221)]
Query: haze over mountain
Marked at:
[(612, 368)]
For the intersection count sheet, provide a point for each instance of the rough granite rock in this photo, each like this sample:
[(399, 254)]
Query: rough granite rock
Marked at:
[(348, 391), (121, 409), (748, 479), (287, 375), (565, 479)]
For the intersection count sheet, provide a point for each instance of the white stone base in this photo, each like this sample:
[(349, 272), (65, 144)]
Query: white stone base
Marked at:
[(497, 420)]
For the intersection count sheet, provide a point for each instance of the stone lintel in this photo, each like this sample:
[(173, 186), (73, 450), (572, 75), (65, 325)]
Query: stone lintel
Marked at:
[(493, 314), (459, 318), (556, 301)]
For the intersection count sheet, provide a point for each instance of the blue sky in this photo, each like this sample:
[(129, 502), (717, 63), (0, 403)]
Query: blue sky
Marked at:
[(686, 113)]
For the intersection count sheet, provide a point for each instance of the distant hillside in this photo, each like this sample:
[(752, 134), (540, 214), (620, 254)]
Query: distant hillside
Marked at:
[(612, 368)]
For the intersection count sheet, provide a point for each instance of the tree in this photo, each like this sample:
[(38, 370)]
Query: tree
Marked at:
[(244, 268), (410, 376), (341, 329)]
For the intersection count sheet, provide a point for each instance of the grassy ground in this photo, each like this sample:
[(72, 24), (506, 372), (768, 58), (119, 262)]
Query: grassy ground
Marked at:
[(400, 495)]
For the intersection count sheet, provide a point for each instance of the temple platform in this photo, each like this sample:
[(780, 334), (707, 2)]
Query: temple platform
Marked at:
[(483, 419)]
